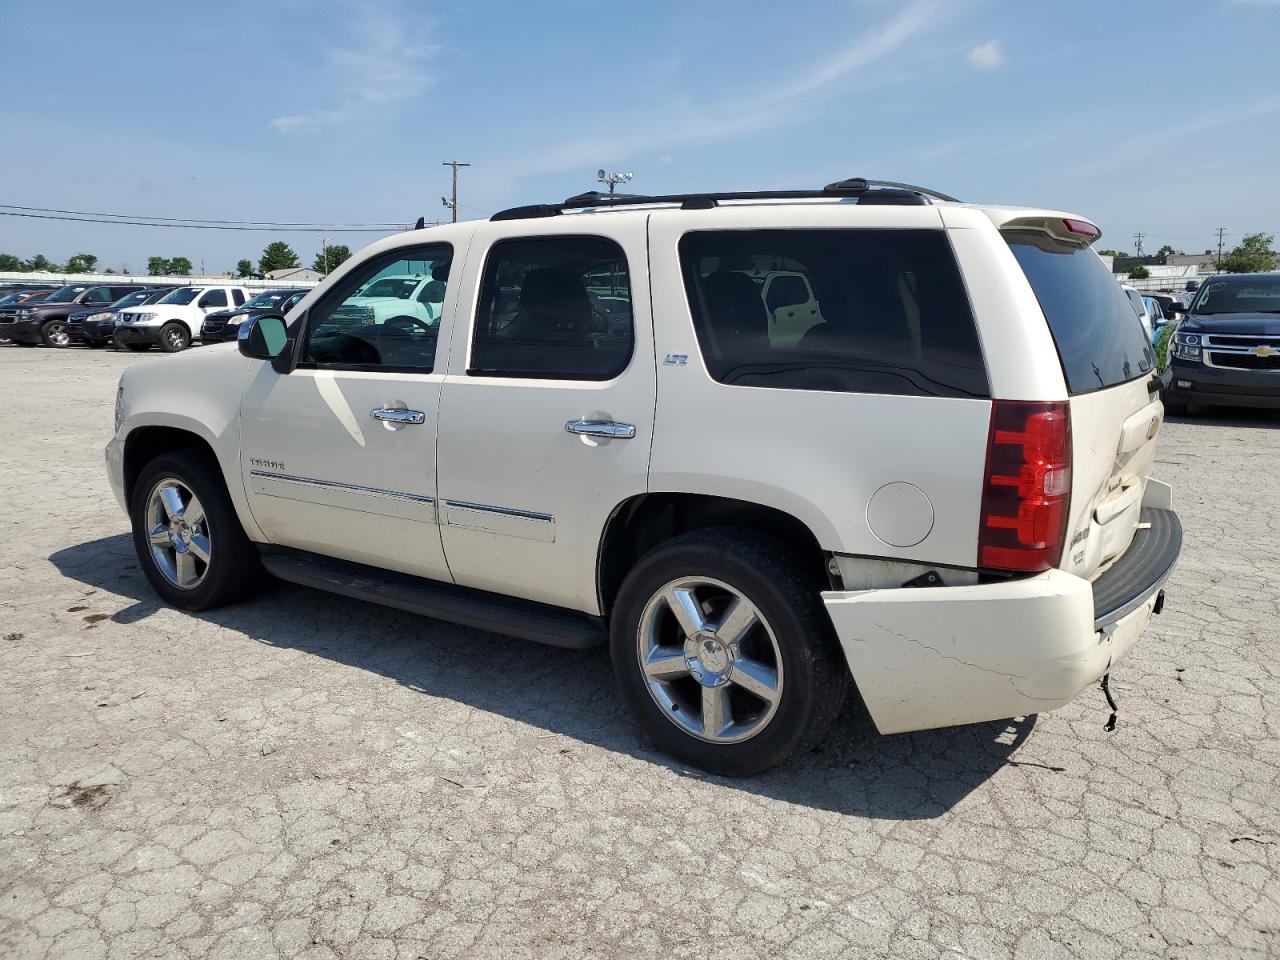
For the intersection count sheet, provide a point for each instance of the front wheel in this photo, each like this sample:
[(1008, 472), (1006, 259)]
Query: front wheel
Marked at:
[(54, 334), (174, 337), (724, 654), (186, 533)]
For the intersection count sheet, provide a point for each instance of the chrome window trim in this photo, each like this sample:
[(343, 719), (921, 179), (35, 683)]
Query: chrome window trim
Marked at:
[(504, 511), (337, 485)]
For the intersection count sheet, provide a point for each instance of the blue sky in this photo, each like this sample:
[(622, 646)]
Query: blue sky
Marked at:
[(1162, 117)]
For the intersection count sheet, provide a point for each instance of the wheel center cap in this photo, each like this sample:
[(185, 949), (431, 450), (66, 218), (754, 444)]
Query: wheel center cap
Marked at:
[(707, 658), (180, 533)]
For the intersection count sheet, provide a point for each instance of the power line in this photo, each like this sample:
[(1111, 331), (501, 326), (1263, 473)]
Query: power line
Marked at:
[(200, 226), (253, 223)]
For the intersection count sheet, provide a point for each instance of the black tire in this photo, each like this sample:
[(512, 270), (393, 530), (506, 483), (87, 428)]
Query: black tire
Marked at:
[(135, 347), (94, 344), (55, 329), (767, 573), (174, 337), (24, 343), (233, 569), (1175, 408)]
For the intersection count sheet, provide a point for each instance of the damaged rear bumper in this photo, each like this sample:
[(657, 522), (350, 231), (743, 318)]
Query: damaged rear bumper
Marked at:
[(940, 656)]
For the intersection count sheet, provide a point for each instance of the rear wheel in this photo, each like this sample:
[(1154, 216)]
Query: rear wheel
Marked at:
[(187, 536), (1175, 408), (54, 334), (174, 337), (723, 652)]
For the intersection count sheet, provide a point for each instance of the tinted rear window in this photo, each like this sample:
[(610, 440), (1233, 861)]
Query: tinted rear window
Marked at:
[(851, 311), (1099, 336)]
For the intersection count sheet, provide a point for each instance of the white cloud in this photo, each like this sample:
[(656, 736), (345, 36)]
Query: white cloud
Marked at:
[(383, 67), (988, 56), (774, 106)]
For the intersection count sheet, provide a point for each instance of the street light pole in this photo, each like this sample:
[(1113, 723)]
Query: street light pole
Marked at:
[(613, 179)]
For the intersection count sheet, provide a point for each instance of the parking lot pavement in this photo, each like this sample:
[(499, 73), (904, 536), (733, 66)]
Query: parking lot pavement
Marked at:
[(311, 776)]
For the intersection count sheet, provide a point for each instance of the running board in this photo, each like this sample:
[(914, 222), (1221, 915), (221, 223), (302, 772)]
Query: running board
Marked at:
[(511, 616)]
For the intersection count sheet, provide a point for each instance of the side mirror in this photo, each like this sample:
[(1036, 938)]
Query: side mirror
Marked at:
[(263, 338), (1175, 310)]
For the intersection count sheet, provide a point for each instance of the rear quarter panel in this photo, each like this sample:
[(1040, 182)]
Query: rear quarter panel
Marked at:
[(819, 456)]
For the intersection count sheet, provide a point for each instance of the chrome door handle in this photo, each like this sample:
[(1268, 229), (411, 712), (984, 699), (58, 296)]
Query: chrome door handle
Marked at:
[(398, 415), (603, 429)]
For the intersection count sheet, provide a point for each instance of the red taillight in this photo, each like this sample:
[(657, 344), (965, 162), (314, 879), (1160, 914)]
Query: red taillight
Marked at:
[(1028, 486)]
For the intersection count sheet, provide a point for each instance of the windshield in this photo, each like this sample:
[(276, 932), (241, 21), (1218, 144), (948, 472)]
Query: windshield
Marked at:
[(65, 295), (154, 296), (132, 300), (1243, 295), (268, 298), (181, 295), (1099, 337), (400, 287)]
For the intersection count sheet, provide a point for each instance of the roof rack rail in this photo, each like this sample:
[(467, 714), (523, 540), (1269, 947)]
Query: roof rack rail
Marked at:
[(866, 191)]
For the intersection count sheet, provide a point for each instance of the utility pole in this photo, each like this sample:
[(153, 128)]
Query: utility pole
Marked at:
[(1221, 231), (1137, 239), (452, 201), (324, 253)]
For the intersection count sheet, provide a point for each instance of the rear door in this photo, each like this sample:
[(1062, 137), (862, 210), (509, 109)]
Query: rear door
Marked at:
[(547, 412), (1108, 364)]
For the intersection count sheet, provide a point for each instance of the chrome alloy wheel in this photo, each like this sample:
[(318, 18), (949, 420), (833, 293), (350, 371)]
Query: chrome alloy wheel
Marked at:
[(710, 660), (58, 335), (178, 534), (175, 339)]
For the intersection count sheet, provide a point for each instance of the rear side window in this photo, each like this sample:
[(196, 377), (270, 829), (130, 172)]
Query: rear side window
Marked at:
[(1099, 337), (556, 308), (851, 311), (238, 296)]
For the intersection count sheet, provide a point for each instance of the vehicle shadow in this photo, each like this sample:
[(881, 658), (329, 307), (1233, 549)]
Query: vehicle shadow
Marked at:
[(855, 771)]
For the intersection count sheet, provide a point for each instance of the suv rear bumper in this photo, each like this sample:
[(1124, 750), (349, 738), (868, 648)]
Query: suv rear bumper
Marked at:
[(940, 656)]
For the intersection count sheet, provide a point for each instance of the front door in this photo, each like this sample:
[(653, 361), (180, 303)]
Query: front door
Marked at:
[(547, 411), (338, 454)]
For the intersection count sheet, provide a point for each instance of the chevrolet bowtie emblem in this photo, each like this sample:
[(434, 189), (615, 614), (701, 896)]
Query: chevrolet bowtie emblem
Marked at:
[(1264, 351)]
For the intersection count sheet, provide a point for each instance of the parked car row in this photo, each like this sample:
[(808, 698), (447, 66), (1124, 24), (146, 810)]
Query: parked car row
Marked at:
[(133, 316)]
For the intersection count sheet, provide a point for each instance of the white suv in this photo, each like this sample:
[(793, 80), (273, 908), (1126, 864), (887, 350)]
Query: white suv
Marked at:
[(174, 320), (939, 489)]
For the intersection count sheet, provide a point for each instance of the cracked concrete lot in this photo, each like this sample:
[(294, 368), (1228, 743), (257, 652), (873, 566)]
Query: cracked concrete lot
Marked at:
[(308, 776)]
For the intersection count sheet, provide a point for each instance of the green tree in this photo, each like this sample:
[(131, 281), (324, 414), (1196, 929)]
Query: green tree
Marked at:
[(9, 262), (180, 267), (277, 255), (40, 262), (1167, 251), (157, 267), (1139, 273), (244, 268), (331, 257), (82, 263), (1111, 253), (1253, 255), (108, 270)]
